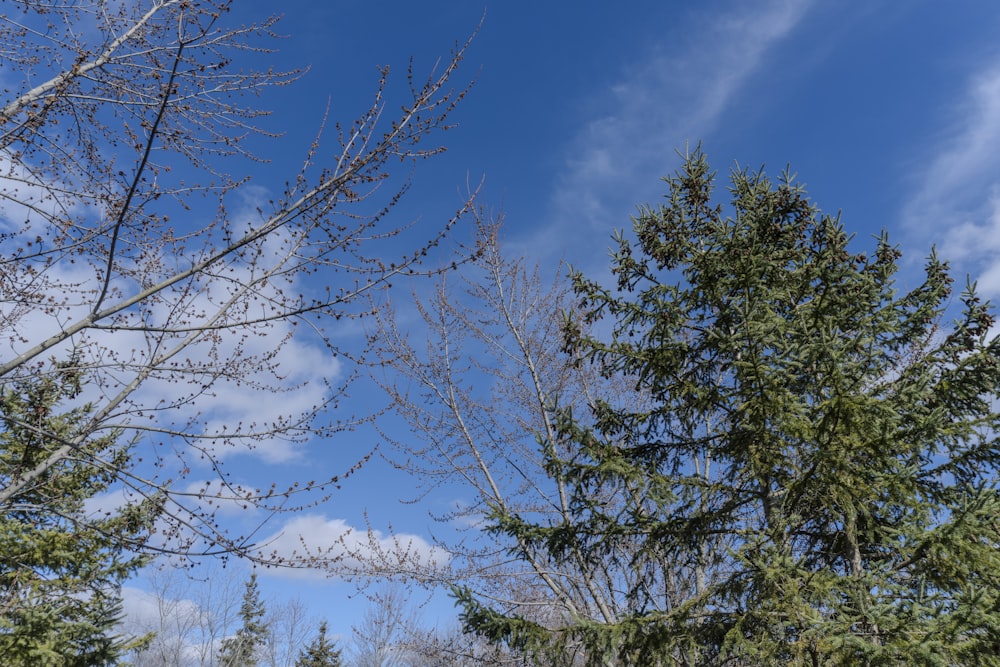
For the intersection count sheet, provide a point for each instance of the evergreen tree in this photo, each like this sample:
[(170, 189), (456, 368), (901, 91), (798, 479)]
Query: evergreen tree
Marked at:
[(321, 652), (818, 462), (60, 569), (242, 649)]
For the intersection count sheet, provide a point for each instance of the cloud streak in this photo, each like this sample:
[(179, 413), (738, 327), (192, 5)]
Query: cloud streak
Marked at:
[(956, 200), (665, 100)]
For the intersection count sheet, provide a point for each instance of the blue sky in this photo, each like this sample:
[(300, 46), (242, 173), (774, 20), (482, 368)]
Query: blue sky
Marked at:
[(880, 107), (889, 112)]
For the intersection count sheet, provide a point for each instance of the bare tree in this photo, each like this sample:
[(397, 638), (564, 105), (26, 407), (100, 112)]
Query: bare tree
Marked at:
[(188, 617), (392, 634), (205, 316), (450, 646), (289, 630), (383, 636), (482, 396)]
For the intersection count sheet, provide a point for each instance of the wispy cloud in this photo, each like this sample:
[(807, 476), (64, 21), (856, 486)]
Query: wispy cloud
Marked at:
[(956, 199), (674, 94)]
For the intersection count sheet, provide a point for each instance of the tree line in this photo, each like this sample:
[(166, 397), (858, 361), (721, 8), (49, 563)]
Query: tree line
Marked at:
[(227, 622), (753, 447)]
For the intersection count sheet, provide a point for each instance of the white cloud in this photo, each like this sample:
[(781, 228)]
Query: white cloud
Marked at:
[(225, 500), (147, 610), (956, 200), (340, 549), (251, 378), (27, 203), (987, 244), (969, 153)]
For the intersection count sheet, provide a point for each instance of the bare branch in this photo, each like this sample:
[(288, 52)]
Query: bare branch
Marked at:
[(121, 248)]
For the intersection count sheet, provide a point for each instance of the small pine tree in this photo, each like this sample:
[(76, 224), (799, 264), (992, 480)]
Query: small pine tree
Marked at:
[(61, 569), (321, 652), (242, 649)]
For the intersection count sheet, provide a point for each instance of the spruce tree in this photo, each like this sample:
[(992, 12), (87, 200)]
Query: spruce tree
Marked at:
[(242, 649), (813, 480), (61, 568), (321, 652)]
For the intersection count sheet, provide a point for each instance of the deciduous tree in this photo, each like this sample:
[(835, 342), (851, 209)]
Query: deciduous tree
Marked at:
[(475, 384), (183, 294), (382, 638), (819, 463)]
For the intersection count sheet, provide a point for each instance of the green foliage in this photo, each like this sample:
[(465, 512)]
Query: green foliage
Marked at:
[(321, 652), (814, 479), (61, 570), (242, 649)]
